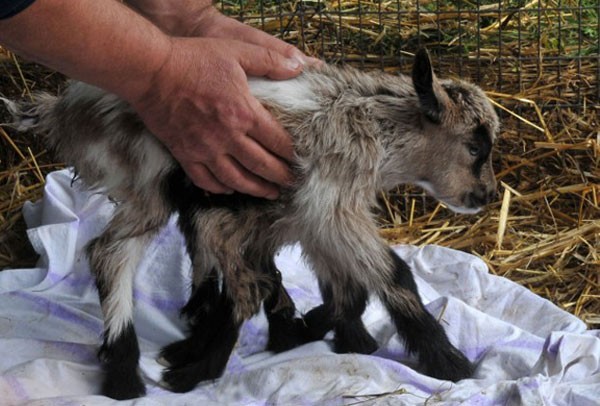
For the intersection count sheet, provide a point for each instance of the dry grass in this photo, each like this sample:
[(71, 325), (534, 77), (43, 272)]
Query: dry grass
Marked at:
[(544, 230), (24, 162)]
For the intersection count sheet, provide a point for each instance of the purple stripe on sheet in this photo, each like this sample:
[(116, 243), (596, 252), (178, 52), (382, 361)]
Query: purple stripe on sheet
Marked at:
[(160, 303), (407, 375), (253, 338), (391, 354), (235, 364), (71, 279), (535, 344), (163, 235), (295, 292), (479, 399), (530, 383), (61, 311), (253, 328), (17, 389), (82, 351), (79, 282), (553, 347)]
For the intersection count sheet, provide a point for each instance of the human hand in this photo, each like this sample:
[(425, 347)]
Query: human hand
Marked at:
[(211, 23), (198, 18), (199, 105)]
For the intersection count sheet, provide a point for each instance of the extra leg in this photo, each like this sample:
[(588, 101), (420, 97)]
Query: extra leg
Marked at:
[(285, 330), (351, 335), (199, 311), (216, 335), (213, 332), (205, 297), (421, 331)]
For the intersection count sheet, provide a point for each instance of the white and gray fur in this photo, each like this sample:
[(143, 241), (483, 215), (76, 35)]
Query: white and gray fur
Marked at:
[(356, 134)]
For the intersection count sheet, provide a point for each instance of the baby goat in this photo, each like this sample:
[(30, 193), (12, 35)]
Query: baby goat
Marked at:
[(356, 134)]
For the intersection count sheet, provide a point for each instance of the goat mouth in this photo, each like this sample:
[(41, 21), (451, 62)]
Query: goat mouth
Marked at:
[(465, 206), (462, 209)]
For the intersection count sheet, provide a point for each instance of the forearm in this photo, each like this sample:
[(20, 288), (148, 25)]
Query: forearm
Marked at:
[(175, 17), (100, 42)]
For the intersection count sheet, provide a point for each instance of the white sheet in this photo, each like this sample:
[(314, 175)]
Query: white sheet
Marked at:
[(527, 350)]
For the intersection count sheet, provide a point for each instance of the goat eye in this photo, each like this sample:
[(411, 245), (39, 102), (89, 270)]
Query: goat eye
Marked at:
[(474, 150)]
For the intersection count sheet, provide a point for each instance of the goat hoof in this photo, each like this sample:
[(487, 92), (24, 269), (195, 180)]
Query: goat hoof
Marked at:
[(184, 378), (450, 365), (196, 367), (318, 322), (173, 354), (287, 335), (366, 347), (176, 380), (179, 352), (122, 385), (163, 361), (358, 341)]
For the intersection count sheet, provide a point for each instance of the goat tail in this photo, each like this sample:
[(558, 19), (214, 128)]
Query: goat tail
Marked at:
[(31, 115)]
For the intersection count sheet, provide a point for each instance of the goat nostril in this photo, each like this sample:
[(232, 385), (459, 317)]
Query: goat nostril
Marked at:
[(478, 198)]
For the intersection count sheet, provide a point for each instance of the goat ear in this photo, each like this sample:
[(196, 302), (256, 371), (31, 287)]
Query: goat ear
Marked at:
[(429, 91)]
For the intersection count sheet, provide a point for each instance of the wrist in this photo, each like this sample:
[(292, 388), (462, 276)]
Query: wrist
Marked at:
[(137, 90), (167, 86)]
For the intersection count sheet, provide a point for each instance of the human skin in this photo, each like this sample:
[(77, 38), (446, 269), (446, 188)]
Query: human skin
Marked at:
[(190, 91)]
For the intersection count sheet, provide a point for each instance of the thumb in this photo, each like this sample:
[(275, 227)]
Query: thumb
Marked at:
[(259, 61)]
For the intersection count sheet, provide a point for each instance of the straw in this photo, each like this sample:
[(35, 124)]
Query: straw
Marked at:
[(543, 231)]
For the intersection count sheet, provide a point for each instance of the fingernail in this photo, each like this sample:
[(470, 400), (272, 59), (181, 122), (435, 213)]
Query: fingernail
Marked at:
[(293, 63), (307, 60), (314, 62)]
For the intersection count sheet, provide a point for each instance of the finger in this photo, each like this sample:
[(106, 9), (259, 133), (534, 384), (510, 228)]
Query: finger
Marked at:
[(269, 133), (289, 51), (204, 179), (260, 61), (255, 36), (313, 62), (256, 159), (252, 35), (232, 174)]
